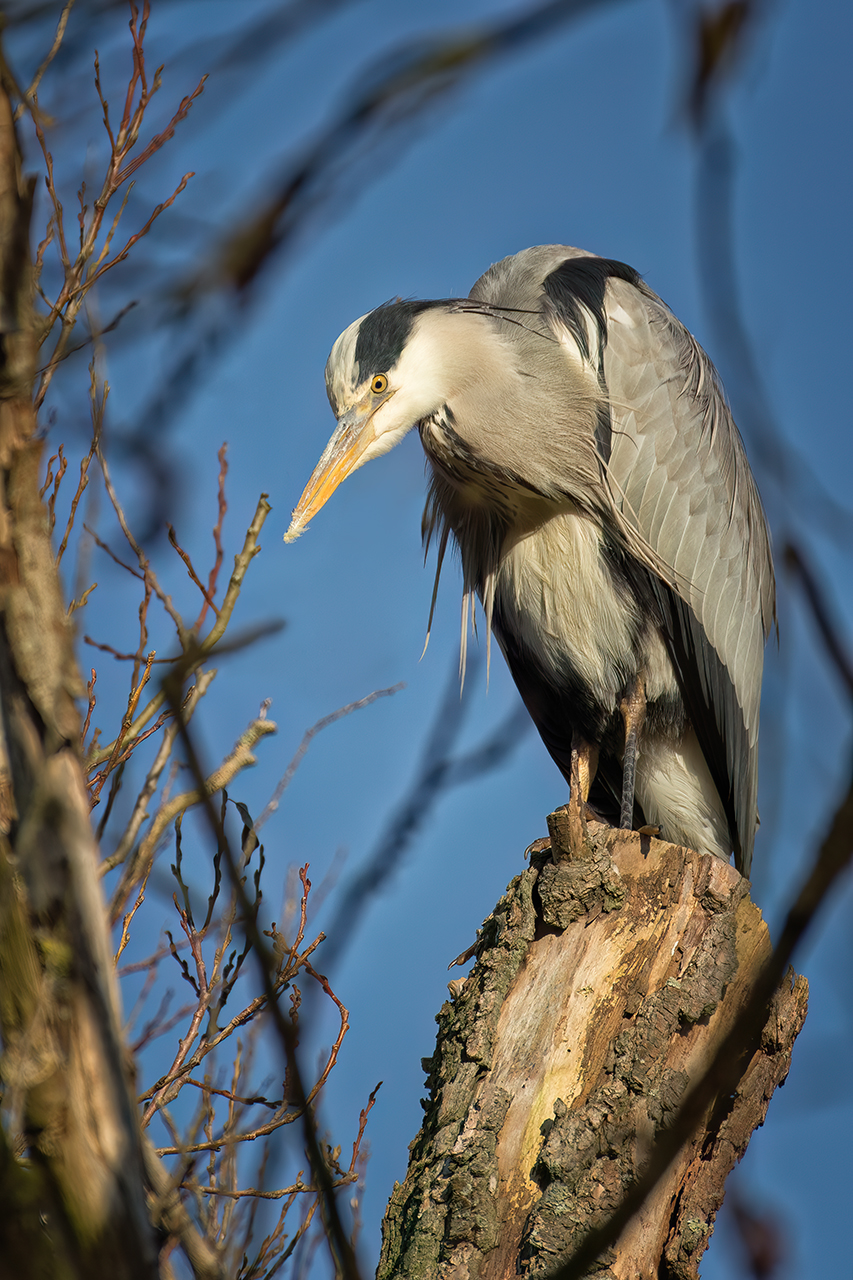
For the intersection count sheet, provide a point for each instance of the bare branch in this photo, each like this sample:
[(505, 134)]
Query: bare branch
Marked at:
[(837, 652), (203, 648), (152, 779), (241, 757), (29, 95)]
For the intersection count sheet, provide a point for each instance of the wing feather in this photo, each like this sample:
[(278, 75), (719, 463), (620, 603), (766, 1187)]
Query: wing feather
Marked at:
[(679, 461)]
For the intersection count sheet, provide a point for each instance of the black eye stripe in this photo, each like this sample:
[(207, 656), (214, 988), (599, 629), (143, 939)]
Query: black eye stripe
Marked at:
[(384, 332)]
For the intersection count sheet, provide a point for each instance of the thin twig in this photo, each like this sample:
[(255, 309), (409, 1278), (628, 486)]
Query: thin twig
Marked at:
[(164, 753), (240, 757), (127, 721), (191, 573), (307, 738), (202, 648), (103, 546), (30, 93), (144, 564), (838, 653), (213, 577)]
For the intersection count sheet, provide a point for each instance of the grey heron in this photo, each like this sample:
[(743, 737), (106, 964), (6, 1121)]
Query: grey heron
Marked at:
[(582, 456)]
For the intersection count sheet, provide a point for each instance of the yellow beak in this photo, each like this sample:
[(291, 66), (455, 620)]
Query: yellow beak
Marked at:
[(341, 456)]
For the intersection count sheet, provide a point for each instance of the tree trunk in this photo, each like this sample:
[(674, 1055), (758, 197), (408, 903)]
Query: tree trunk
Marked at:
[(75, 1205), (605, 978)]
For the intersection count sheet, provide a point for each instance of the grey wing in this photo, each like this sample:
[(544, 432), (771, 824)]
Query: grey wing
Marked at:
[(678, 473)]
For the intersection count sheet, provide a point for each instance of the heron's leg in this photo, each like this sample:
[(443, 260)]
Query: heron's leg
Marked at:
[(633, 709)]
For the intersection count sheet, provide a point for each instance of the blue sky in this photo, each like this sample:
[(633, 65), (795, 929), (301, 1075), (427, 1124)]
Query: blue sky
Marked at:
[(578, 139)]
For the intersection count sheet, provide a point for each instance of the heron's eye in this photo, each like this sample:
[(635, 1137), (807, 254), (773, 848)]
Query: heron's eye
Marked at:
[(378, 384)]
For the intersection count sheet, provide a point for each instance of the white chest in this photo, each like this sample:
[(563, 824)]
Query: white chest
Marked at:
[(556, 594)]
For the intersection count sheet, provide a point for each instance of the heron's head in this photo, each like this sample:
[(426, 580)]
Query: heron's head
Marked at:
[(386, 373)]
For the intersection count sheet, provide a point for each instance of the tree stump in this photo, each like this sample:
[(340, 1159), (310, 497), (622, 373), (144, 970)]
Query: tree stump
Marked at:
[(605, 978)]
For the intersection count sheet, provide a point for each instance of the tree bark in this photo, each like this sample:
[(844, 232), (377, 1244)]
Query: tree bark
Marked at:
[(605, 978), (71, 1160)]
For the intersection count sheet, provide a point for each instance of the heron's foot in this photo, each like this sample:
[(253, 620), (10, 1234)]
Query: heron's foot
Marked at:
[(648, 830)]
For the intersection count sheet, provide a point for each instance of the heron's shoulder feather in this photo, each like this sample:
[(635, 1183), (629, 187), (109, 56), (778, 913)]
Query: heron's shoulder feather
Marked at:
[(517, 281)]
